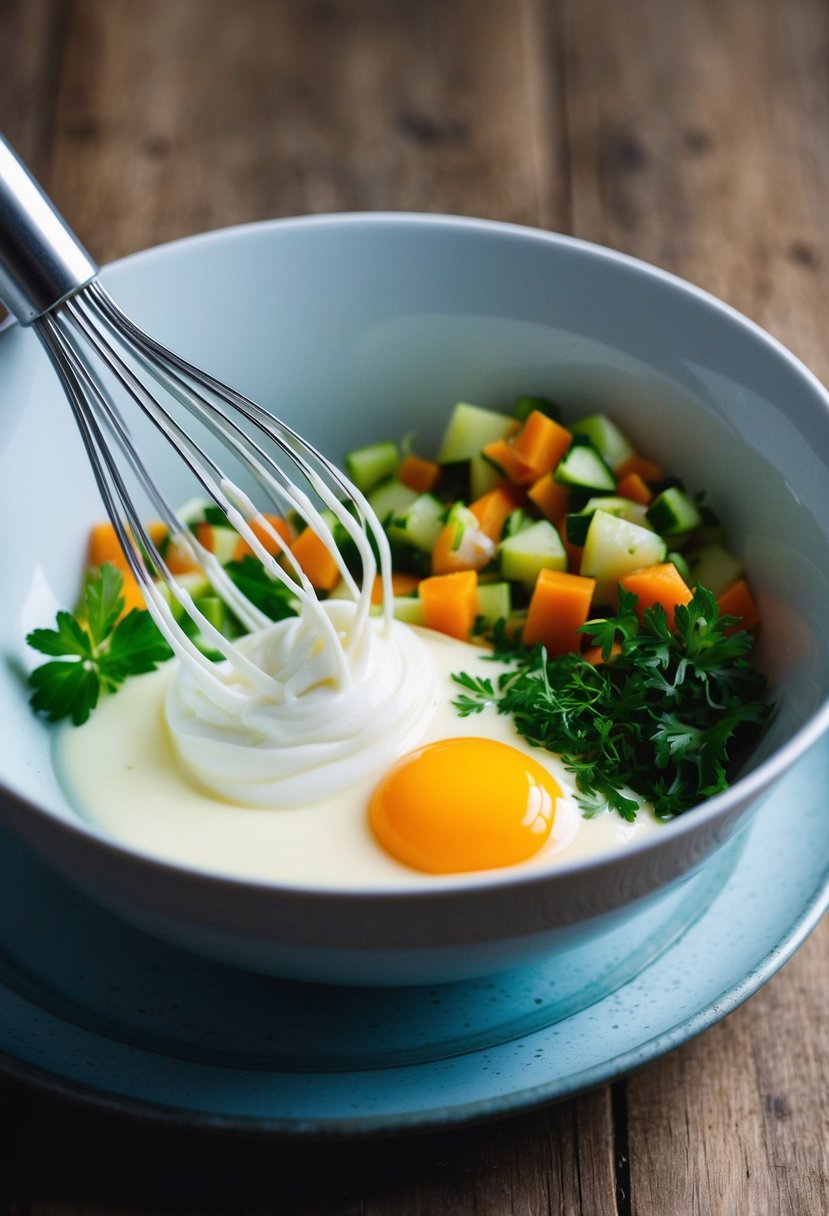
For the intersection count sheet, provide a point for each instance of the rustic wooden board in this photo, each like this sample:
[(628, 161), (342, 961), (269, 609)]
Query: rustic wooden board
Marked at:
[(692, 136)]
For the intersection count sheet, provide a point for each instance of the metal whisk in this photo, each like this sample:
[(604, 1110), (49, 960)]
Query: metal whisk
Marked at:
[(104, 360)]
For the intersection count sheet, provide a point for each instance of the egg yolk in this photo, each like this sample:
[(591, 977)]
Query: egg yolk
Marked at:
[(464, 804)]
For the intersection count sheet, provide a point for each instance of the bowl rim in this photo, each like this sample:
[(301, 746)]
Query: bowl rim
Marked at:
[(745, 789)]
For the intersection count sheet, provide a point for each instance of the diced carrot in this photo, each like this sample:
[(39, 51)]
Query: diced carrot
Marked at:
[(178, 559), (541, 442), (593, 654), (634, 487), (157, 531), (660, 584), (560, 603), (648, 470), (491, 509), (104, 546), (417, 473), (401, 584), (315, 559), (550, 496), (280, 526), (450, 603), (131, 591), (205, 536), (503, 455), (473, 551), (737, 600), (536, 449)]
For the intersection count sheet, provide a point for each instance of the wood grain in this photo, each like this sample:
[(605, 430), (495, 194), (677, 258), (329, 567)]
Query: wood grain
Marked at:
[(692, 135)]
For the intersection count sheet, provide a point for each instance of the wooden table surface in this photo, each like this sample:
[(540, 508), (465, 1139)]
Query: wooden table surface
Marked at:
[(694, 134)]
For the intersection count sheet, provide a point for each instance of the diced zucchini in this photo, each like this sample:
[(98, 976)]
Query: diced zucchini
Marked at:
[(483, 476), (494, 602), (683, 569), (625, 508), (195, 584), (584, 466), (517, 521), (714, 567), (672, 512), (225, 540), (536, 548), (408, 609), (421, 524), (605, 437), (390, 499), (193, 511), (370, 465), (470, 429), (614, 547), (524, 406)]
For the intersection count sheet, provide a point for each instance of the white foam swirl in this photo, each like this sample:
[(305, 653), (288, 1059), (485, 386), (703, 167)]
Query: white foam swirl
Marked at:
[(306, 732)]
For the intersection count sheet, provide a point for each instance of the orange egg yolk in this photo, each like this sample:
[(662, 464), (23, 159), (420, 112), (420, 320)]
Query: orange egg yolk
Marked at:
[(464, 804)]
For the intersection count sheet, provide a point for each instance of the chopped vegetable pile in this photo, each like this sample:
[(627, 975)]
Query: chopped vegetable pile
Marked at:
[(607, 587)]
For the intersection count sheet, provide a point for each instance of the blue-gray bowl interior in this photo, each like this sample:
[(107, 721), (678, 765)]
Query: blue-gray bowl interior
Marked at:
[(364, 327)]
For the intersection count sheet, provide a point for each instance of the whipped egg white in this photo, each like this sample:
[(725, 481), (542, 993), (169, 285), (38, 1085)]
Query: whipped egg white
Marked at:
[(306, 732)]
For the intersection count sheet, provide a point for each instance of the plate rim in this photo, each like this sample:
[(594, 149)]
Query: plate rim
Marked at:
[(446, 1116)]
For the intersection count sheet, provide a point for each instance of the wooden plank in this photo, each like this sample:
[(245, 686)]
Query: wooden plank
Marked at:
[(736, 1121), (201, 114), (29, 55), (697, 142)]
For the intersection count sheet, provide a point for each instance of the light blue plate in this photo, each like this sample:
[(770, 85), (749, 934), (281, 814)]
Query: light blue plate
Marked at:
[(95, 1009)]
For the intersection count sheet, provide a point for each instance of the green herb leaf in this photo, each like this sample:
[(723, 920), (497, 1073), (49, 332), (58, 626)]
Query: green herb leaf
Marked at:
[(63, 690), (94, 654), (103, 601), (266, 593), (664, 719)]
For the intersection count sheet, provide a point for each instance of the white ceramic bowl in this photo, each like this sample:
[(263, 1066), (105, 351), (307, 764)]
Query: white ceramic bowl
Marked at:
[(360, 327)]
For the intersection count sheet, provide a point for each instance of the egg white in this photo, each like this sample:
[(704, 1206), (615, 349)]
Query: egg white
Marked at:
[(121, 773)]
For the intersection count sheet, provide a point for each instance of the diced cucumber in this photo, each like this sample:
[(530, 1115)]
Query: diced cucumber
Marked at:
[(683, 569), (712, 566), (614, 547), (193, 511), (525, 555), (408, 609), (524, 406), (225, 540), (584, 466), (483, 476), (672, 512), (471, 428), (421, 525), (195, 583), (370, 465), (494, 602), (390, 499), (606, 438), (517, 521), (625, 508), (214, 610)]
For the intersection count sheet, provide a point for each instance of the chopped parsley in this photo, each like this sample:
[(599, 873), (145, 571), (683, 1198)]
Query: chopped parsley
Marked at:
[(665, 715), (93, 652)]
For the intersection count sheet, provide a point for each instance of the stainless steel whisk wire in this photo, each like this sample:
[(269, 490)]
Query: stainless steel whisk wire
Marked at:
[(48, 281)]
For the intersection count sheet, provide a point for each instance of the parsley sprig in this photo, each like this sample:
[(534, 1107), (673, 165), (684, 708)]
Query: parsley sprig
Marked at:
[(93, 652), (665, 715)]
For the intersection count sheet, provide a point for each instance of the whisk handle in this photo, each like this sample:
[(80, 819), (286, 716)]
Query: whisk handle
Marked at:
[(42, 262)]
